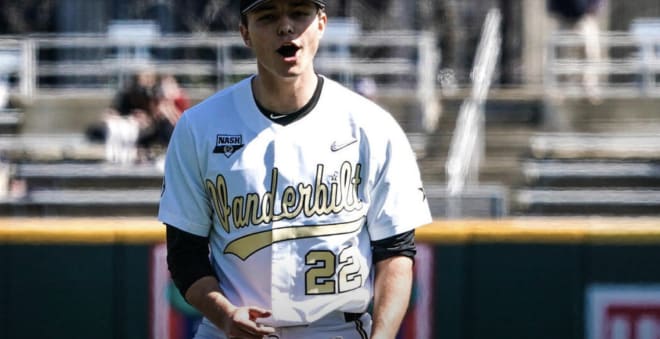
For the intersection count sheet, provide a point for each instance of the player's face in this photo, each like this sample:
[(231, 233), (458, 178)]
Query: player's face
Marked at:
[(284, 35)]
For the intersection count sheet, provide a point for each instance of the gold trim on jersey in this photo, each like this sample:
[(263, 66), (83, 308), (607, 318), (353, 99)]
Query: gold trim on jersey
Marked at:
[(245, 246)]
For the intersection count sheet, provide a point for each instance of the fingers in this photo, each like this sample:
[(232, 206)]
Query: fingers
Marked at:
[(256, 312), (245, 325)]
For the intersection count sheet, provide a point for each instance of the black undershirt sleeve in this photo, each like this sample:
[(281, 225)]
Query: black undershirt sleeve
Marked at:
[(187, 258), (399, 245)]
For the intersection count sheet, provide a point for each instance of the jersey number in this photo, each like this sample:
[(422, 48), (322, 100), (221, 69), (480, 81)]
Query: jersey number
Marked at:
[(320, 278)]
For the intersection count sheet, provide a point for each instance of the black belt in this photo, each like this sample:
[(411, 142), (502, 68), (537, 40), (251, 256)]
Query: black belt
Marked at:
[(352, 316)]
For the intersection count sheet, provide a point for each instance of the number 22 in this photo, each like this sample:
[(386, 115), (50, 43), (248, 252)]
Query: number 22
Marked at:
[(319, 279)]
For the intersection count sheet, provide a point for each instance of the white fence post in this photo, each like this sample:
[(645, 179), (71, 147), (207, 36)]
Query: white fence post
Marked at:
[(28, 73), (426, 80)]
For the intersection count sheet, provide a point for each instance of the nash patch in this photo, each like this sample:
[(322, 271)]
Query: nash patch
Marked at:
[(228, 144)]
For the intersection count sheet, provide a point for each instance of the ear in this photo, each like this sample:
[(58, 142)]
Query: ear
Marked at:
[(322, 21), (245, 34)]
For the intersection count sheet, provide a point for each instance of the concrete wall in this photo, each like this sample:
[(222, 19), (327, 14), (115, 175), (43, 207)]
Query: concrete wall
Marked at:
[(55, 114)]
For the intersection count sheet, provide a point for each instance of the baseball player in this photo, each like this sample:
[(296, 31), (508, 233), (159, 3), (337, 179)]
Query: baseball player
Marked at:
[(306, 193)]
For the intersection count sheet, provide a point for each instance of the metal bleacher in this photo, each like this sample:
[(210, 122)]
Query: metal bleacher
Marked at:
[(60, 174), (577, 173), (64, 174), (602, 154), (10, 121), (85, 189), (629, 66), (400, 60), (592, 174), (603, 160)]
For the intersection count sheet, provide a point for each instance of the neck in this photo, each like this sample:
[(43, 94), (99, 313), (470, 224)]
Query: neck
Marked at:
[(284, 95)]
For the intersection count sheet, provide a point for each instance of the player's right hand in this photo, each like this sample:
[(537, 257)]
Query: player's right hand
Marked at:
[(242, 323)]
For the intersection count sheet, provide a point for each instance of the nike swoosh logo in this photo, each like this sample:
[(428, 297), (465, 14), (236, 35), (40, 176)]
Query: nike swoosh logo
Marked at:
[(277, 116), (336, 147)]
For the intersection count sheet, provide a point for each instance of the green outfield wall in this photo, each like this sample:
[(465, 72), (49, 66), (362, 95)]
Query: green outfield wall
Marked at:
[(508, 278)]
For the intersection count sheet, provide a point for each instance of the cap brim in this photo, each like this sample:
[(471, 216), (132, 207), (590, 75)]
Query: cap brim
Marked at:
[(252, 6), (260, 2)]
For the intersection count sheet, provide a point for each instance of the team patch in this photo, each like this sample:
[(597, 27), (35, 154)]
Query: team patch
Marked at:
[(228, 144)]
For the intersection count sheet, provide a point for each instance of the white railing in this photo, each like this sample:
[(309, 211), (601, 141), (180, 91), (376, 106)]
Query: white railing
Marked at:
[(468, 142), (16, 60), (397, 60), (627, 63)]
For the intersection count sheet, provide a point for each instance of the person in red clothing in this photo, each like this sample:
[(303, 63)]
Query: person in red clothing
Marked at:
[(172, 102)]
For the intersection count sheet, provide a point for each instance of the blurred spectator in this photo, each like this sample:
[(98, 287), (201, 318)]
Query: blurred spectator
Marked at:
[(139, 96), (141, 117), (4, 93), (172, 101), (7, 101), (581, 16), (129, 122), (440, 17), (121, 135), (366, 86)]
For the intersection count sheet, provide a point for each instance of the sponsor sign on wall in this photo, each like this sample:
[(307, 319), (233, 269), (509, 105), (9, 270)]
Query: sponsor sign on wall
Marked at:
[(622, 311)]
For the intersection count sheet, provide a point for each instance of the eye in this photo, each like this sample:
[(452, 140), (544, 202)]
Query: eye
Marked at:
[(299, 14), (302, 12), (266, 17)]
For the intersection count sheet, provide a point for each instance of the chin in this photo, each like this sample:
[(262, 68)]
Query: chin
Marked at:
[(291, 72), (284, 71), (291, 75)]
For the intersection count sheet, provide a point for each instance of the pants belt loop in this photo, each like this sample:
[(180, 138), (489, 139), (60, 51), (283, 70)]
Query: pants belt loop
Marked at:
[(352, 316)]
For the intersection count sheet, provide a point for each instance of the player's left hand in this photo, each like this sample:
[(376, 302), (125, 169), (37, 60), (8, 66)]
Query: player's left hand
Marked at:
[(242, 323)]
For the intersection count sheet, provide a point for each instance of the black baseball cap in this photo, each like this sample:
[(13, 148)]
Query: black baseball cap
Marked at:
[(248, 5)]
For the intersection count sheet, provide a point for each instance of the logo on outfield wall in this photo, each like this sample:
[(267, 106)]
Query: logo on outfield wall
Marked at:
[(622, 311)]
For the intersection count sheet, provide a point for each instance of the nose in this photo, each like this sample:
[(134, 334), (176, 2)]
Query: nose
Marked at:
[(285, 26)]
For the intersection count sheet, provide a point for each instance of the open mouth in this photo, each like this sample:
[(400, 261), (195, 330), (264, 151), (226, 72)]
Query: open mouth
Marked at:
[(288, 51)]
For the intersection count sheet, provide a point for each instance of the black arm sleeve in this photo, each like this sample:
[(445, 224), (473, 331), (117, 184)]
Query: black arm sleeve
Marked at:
[(399, 245), (187, 258)]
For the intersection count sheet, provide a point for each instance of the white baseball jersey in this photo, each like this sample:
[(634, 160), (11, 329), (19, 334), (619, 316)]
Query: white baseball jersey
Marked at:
[(290, 211)]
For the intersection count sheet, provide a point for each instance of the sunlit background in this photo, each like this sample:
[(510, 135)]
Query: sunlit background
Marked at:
[(536, 125)]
